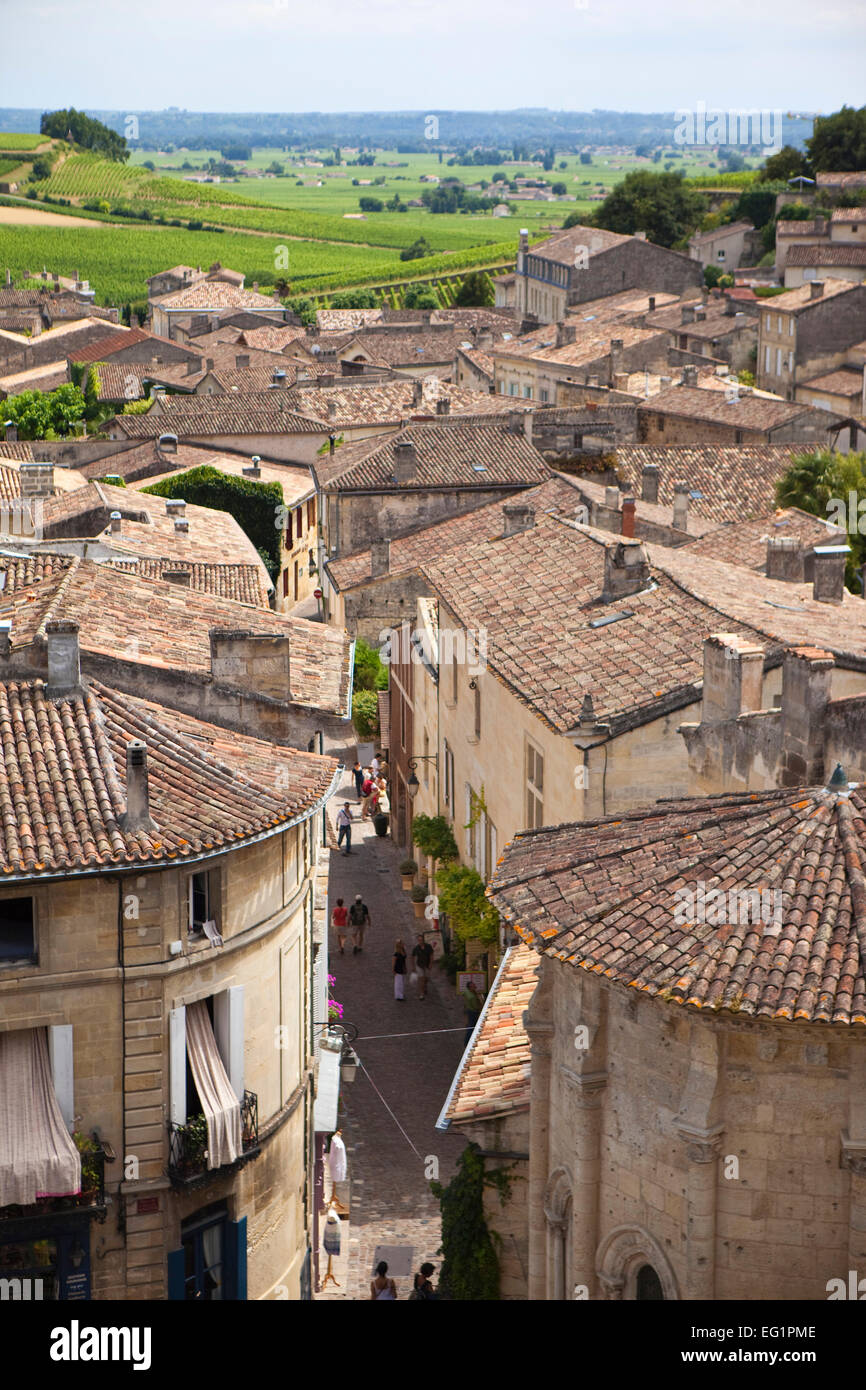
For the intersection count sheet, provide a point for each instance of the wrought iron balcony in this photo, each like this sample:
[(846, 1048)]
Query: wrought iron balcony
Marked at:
[(187, 1145)]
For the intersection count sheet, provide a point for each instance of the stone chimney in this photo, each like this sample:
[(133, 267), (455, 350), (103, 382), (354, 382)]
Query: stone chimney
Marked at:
[(687, 313), (181, 527), (515, 422), (64, 663), (730, 307), (820, 226), (784, 559), (523, 239), (418, 393), (116, 520), (175, 506), (181, 577), (611, 498), (254, 468), (628, 518), (565, 333), (652, 304), (828, 584), (443, 405), (518, 516), (252, 661), (137, 813), (36, 479), (11, 430), (690, 375), (192, 367), (380, 558), (208, 362), (242, 359), (326, 379), (332, 412), (167, 444), (816, 289), (733, 677), (807, 673), (626, 570), (405, 462), (649, 482), (681, 506)]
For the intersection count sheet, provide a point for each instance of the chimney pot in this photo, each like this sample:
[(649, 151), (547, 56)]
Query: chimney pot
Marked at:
[(611, 498), (181, 527), (405, 461), (681, 506), (690, 375), (626, 569), (733, 677), (175, 506), (418, 393), (628, 518), (650, 482), (116, 520), (616, 344), (687, 313), (828, 584), (380, 558), (816, 289), (36, 479), (167, 444), (137, 814), (652, 303), (518, 516), (64, 663), (785, 559)]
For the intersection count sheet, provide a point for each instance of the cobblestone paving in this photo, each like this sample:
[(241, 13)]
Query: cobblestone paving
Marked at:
[(389, 1197)]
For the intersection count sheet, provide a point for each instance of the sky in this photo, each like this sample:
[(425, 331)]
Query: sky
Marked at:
[(428, 55)]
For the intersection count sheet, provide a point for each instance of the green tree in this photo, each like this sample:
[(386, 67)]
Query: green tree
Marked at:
[(585, 157), (549, 158), (370, 671), (470, 911), (434, 837), (559, 189), (368, 204), (476, 289), (785, 165), (662, 205), (84, 131), (420, 297), (419, 248), (470, 1265), (821, 481), (46, 414), (365, 713), (254, 506), (838, 142)]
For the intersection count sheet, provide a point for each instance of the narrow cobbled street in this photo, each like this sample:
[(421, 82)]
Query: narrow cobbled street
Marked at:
[(408, 1056)]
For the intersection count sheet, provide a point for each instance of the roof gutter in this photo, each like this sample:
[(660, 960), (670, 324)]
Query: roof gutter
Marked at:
[(443, 1122)]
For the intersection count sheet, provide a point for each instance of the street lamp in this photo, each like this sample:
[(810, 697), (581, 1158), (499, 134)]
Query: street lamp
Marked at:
[(413, 784)]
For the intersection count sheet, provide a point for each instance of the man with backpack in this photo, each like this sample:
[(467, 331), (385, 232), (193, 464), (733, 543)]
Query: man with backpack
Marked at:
[(422, 955), (359, 920)]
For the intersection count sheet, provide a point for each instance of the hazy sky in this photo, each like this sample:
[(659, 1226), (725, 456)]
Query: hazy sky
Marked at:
[(342, 55)]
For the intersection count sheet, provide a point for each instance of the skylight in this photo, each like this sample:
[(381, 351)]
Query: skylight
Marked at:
[(611, 618)]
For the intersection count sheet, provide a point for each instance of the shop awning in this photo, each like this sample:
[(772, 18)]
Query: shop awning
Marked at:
[(218, 1100), (37, 1155), (327, 1086)]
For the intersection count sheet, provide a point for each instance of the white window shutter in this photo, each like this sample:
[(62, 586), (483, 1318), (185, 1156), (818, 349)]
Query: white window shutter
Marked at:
[(228, 1014), (177, 1065), (468, 819), (62, 1070)]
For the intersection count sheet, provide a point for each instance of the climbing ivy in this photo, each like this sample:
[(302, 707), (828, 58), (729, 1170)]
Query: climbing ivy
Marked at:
[(470, 1267), (255, 506)]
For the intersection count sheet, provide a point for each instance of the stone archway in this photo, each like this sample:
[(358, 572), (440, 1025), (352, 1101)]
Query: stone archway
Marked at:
[(558, 1215), (623, 1254)]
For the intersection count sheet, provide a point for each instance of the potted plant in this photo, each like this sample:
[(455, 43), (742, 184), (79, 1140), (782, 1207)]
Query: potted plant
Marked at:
[(90, 1173), (408, 870), (418, 896)]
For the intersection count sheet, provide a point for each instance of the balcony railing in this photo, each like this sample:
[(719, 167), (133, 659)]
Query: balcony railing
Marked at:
[(187, 1145), (90, 1201)]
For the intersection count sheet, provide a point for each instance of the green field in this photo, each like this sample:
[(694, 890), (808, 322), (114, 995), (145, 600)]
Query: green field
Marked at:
[(118, 260), (11, 140)]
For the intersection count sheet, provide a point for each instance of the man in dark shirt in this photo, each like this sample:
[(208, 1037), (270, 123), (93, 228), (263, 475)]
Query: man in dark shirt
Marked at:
[(422, 955), (359, 918)]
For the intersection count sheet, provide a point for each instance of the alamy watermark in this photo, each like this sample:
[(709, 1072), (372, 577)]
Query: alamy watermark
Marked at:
[(715, 907), (848, 516), (703, 127), (463, 646), (22, 517)]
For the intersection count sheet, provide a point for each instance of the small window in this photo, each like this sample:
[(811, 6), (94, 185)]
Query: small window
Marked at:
[(534, 788), (544, 394), (527, 391), (720, 255), (17, 931), (311, 513), (512, 389), (202, 901)]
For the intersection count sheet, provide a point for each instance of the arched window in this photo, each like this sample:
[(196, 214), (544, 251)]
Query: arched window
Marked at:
[(648, 1286)]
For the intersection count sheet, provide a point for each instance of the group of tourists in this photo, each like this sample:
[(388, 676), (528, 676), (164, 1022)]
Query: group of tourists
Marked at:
[(384, 1290), (371, 785), (422, 959)]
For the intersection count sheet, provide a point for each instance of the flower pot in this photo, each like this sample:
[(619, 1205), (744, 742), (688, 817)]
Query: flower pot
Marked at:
[(380, 824), (407, 881), (420, 909)]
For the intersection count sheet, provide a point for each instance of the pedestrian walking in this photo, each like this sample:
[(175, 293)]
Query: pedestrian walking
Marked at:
[(344, 827), (358, 774), (382, 1288), (472, 1003), (367, 787), (422, 1287), (399, 969), (422, 956), (359, 918), (339, 917), (376, 765)]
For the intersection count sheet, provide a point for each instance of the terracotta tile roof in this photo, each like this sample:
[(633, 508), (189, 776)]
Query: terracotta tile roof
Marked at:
[(494, 1076), (407, 552), (620, 898), (389, 402), (147, 528), (497, 319), (536, 594), (832, 254), (844, 382), (345, 320), (746, 412), (142, 462), (800, 300), (242, 583), (833, 180), (745, 542), (657, 513), (424, 347), (626, 304), (158, 624), (480, 360), (562, 245), (589, 345), (806, 227), (10, 483), (63, 782), (717, 233), (19, 449), (115, 341), (120, 381), (272, 337), (258, 412), (717, 323), (449, 454), (44, 378), (295, 479), (215, 294), (20, 571), (735, 481), (848, 215)]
